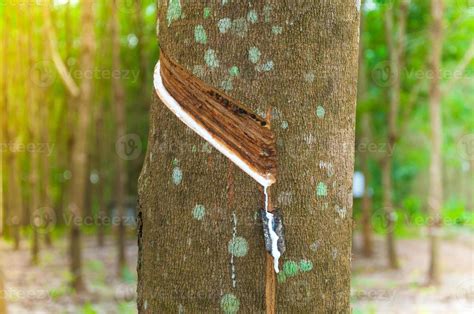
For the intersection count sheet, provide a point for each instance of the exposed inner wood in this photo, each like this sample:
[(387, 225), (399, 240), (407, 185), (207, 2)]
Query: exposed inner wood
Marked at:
[(239, 129)]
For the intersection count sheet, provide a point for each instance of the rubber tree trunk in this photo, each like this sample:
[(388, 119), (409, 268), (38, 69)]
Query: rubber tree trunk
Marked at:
[(435, 197), (300, 61), (80, 146)]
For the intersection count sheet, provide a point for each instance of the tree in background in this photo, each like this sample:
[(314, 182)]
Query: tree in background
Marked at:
[(211, 254), (119, 106), (80, 145), (396, 47)]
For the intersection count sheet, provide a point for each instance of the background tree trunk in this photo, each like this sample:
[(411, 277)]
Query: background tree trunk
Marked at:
[(198, 254), (3, 302), (366, 137), (396, 46), (119, 104), (80, 146), (435, 197)]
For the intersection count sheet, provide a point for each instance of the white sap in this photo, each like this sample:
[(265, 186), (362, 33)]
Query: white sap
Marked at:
[(273, 236)]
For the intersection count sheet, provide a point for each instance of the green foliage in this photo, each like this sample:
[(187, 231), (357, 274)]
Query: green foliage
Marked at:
[(88, 309)]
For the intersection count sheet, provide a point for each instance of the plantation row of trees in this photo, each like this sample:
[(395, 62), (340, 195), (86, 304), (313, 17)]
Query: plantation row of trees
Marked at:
[(75, 80)]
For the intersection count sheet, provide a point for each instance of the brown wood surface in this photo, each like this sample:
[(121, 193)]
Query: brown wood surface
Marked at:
[(243, 132)]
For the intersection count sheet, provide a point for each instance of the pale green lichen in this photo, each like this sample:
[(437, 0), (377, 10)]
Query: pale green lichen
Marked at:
[(267, 13), (252, 16), (305, 265), (309, 77), (174, 11), (200, 34), (254, 54), (266, 67), (211, 59), (198, 70), (238, 247), (320, 112), (224, 25), (321, 189), (177, 176), (239, 27), (226, 84), (277, 30), (284, 125), (207, 12), (224, 2), (234, 71), (290, 268), (199, 212), (230, 304)]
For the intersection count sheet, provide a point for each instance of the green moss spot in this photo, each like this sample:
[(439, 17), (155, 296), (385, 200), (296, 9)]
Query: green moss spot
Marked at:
[(277, 30), (234, 71), (199, 212), (177, 176), (290, 268), (200, 34), (252, 16), (230, 304), (321, 189), (224, 24), (320, 112), (281, 277), (175, 162), (254, 54), (207, 12), (239, 27), (284, 125), (238, 247), (211, 59), (174, 11), (224, 2), (306, 265)]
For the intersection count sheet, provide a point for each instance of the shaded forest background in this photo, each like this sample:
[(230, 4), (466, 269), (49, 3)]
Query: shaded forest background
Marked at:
[(76, 81)]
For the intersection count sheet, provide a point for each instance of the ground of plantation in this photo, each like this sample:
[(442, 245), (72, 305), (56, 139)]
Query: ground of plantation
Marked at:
[(43, 289)]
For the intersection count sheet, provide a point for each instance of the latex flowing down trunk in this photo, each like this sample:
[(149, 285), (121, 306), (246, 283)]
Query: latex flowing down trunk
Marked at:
[(435, 197), (201, 248)]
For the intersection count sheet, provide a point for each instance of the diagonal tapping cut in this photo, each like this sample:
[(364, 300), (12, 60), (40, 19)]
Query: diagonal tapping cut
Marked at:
[(225, 123)]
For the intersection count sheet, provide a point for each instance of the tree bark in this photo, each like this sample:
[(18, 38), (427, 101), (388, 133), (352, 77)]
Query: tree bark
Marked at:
[(119, 104), (435, 196), (197, 253), (80, 146)]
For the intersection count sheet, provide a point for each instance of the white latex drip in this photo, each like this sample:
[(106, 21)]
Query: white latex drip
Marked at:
[(273, 236)]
